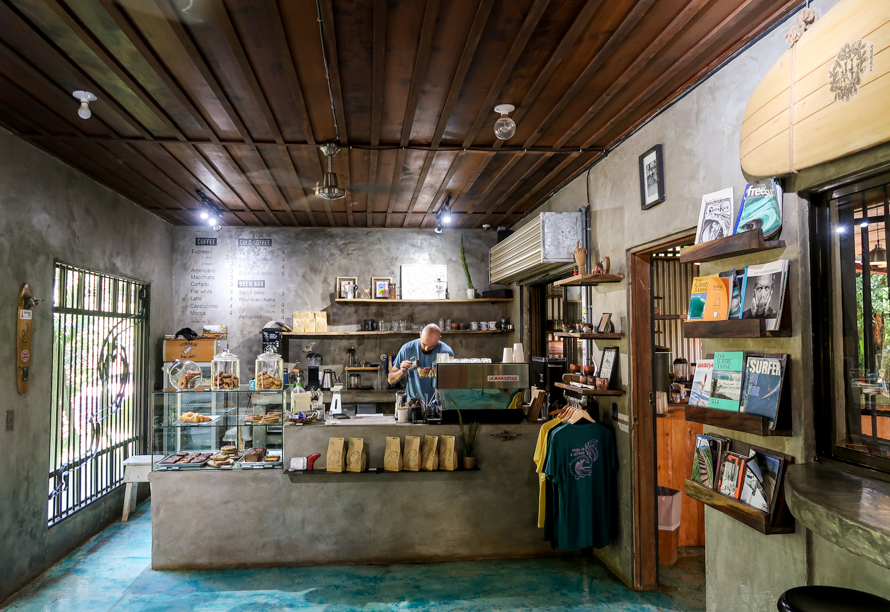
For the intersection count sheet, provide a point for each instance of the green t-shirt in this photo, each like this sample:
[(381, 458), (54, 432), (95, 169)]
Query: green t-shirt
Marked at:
[(581, 462)]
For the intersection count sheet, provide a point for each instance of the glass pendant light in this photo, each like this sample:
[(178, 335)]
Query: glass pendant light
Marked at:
[(505, 127)]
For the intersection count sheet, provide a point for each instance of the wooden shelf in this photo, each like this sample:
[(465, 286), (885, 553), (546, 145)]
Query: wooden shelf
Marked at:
[(737, 421), (592, 336), (731, 246), (755, 519), (359, 369), (384, 333), (732, 328), (661, 317), (382, 301), (583, 280), (580, 391)]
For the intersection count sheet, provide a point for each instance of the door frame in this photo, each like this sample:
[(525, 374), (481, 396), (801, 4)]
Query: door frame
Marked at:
[(645, 453)]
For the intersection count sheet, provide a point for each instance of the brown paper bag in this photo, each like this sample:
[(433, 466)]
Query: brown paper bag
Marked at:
[(321, 321), (392, 458), (430, 454), (447, 456), (357, 458), (336, 457), (412, 453), (304, 321)]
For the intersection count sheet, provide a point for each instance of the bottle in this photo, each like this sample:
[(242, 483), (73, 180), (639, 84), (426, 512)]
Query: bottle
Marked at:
[(442, 324)]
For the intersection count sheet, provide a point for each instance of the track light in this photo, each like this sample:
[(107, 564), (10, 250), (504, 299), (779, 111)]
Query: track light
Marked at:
[(443, 217), (504, 128), (210, 211), (211, 221), (85, 98), (439, 229), (204, 214)]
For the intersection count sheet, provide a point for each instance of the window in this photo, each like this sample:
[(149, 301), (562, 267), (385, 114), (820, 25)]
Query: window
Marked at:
[(855, 321), (99, 386)]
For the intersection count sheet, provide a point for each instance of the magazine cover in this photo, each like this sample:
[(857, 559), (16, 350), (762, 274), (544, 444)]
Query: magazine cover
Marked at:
[(698, 295), (715, 216), (764, 291), (726, 383), (753, 493), (703, 463), (769, 468), (761, 207), (717, 300), (762, 394), (736, 278), (732, 475), (701, 383)]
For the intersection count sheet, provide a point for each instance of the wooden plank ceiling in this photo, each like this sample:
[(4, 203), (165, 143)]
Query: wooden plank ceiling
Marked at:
[(231, 97)]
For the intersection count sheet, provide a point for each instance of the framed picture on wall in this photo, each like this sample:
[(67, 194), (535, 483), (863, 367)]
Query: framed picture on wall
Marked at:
[(343, 283), (423, 282), (603, 325), (609, 365), (651, 178), (380, 287)]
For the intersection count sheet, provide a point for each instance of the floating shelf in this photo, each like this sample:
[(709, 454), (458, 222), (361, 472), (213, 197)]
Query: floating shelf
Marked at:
[(583, 280), (661, 317), (753, 518), (737, 421), (383, 301), (591, 336), (580, 391), (731, 246), (384, 333), (732, 328), (361, 369)]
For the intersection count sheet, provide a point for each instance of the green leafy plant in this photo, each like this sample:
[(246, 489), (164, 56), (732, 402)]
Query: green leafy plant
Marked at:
[(463, 259), (467, 439)]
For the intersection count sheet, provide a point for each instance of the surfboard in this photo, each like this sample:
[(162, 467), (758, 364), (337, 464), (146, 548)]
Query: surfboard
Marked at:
[(841, 74)]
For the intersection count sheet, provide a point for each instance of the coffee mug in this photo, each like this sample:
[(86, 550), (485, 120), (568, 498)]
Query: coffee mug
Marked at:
[(483, 326), (474, 326), (403, 415), (492, 325)]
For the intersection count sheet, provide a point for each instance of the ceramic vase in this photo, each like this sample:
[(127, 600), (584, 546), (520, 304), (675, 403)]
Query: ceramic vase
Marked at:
[(471, 294), (469, 463)]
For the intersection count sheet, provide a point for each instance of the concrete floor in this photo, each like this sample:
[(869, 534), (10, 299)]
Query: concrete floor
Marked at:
[(112, 572)]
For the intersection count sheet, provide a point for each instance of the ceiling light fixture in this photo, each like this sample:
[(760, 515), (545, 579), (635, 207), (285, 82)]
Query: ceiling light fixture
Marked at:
[(878, 256), (204, 214), (443, 217), (85, 98), (439, 229), (504, 128), (210, 211), (331, 189)]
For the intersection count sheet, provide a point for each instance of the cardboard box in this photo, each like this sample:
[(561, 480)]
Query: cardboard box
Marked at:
[(200, 350)]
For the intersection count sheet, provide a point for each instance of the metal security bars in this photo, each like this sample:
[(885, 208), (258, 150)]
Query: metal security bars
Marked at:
[(100, 387)]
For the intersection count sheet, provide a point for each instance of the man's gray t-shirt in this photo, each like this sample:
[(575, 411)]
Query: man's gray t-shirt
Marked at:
[(415, 386)]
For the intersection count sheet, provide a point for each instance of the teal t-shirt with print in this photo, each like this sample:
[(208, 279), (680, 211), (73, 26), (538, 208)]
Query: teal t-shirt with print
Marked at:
[(581, 462)]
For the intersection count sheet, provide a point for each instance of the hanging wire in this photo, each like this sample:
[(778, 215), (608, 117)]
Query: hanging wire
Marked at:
[(327, 72)]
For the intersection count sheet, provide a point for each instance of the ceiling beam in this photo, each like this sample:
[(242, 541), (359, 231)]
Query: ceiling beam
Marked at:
[(525, 175), (495, 180), (379, 67), (539, 185)]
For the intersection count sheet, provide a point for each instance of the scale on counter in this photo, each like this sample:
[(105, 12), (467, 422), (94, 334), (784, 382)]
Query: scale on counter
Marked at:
[(337, 403)]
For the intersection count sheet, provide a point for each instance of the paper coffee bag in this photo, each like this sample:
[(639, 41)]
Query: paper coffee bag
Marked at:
[(430, 454), (321, 321), (357, 458), (447, 456), (336, 457), (392, 458), (412, 453)]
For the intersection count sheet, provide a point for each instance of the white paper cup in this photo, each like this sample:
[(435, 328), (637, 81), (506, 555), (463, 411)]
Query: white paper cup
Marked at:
[(403, 415), (508, 355), (518, 353)]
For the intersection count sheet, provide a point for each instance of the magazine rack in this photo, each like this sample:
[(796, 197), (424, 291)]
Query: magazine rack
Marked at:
[(583, 280), (739, 421), (731, 246)]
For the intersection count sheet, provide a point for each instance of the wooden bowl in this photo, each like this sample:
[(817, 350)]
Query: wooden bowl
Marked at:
[(574, 368), (589, 370)]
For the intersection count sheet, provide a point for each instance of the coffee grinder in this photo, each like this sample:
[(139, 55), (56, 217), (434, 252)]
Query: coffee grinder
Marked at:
[(313, 363)]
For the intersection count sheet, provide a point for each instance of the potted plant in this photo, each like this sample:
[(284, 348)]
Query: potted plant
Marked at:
[(467, 440), (471, 291)]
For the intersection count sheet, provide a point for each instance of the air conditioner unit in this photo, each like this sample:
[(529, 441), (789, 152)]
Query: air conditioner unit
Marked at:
[(545, 244)]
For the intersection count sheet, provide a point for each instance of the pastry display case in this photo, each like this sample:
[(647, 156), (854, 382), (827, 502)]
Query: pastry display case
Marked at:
[(208, 429)]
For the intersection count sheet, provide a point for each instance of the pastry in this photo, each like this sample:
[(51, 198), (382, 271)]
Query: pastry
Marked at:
[(225, 381), (228, 449), (253, 455), (267, 381)]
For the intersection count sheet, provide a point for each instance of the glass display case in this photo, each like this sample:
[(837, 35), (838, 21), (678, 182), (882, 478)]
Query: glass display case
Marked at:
[(219, 429)]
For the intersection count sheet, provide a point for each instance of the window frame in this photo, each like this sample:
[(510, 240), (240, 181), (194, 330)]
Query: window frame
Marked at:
[(825, 387)]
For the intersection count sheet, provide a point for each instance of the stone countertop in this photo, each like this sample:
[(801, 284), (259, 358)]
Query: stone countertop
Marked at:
[(847, 509)]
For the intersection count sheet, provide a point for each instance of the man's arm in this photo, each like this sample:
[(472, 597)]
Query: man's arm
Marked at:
[(396, 374)]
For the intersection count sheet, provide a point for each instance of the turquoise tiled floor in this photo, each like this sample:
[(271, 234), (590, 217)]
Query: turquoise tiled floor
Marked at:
[(112, 572)]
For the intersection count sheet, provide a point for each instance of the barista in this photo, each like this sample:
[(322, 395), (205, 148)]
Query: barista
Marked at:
[(424, 350)]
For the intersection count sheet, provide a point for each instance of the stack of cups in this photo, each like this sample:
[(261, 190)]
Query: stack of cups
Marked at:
[(508, 356), (518, 353)]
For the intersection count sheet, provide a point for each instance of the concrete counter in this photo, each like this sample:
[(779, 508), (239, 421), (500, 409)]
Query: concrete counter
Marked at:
[(210, 519)]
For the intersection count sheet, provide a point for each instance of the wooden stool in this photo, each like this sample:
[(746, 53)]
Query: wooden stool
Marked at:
[(136, 470), (830, 599)]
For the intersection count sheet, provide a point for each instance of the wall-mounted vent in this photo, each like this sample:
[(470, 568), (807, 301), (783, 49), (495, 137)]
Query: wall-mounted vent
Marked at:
[(546, 243)]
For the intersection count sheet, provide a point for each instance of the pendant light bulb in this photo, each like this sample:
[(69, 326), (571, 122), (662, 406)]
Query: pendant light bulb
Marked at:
[(85, 98), (446, 218), (505, 127), (204, 214), (211, 221)]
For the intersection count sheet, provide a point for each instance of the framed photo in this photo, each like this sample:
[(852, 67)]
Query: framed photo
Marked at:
[(380, 287), (609, 365), (603, 326), (651, 178), (342, 282), (424, 282)]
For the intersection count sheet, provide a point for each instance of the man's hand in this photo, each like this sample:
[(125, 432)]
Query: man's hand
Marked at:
[(405, 366), (396, 374)]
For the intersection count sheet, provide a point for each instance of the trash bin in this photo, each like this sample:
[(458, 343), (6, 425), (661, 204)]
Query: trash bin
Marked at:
[(670, 507)]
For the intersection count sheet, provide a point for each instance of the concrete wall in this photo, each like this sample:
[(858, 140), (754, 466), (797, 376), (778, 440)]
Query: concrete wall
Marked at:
[(51, 211), (700, 134), (302, 278)]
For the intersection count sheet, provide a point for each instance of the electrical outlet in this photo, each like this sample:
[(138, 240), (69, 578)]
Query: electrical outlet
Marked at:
[(10, 420)]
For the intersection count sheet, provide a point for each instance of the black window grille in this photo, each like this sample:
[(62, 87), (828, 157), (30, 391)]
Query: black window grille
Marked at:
[(100, 389)]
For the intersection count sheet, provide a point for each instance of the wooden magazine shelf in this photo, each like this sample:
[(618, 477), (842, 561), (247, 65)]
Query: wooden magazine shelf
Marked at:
[(591, 336), (773, 523), (581, 391), (733, 328), (731, 246), (737, 421), (583, 280), (383, 302)]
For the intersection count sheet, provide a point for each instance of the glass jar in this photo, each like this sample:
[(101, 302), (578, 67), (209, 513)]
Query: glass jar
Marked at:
[(184, 375), (225, 371), (269, 371)]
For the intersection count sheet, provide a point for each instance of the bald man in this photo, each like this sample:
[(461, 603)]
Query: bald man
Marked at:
[(424, 349)]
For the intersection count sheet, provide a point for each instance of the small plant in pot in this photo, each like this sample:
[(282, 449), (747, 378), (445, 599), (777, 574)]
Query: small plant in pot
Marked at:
[(467, 440), (471, 291)]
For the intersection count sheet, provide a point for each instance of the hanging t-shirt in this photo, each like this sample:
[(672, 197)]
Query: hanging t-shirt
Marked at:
[(581, 463), (539, 456)]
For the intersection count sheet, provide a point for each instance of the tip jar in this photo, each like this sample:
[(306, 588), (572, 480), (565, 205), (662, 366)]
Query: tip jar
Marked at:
[(225, 372), (269, 371), (184, 374)]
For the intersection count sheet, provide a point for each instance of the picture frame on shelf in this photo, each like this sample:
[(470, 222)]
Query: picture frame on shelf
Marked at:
[(651, 177), (342, 282), (380, 287), (424, 281), (608, 367), (603, 326)]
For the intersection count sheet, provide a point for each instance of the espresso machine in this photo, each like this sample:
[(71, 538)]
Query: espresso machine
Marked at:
[(313, 363)]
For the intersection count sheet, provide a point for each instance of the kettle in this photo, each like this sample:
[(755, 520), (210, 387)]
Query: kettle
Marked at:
[(328, 379)]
